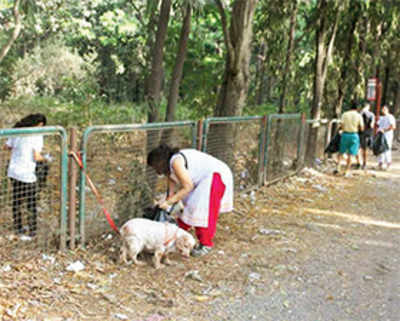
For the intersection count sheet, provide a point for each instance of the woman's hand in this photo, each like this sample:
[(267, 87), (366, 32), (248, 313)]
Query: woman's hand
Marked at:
[(165, 205)]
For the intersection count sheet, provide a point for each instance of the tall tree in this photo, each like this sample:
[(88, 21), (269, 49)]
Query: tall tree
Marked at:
[(237, 37), (16, 31), (179, 62), (353, 15), (154, 81), (324, 44), (289, 53)]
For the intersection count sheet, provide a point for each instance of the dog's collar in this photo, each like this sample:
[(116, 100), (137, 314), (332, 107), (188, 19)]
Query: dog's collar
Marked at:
[(169, 240)]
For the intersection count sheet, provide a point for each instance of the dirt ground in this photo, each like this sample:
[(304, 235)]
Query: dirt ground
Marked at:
[(314, 247)]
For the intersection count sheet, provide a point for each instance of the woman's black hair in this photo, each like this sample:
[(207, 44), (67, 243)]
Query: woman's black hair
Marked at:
[(161, 155), (31, 121)]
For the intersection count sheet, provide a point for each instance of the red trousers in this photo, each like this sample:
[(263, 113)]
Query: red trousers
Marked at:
[(206, 234)]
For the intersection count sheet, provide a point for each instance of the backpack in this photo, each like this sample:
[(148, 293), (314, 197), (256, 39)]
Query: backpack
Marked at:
[(367, 121), (380, 144)]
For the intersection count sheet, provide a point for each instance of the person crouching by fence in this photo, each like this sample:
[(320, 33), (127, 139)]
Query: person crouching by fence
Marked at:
[(25, 152), (206, 189), (386, 125), (351, 123)]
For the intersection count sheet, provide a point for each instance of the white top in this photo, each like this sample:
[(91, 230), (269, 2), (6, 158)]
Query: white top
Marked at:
[(22, 164), (384, 122), (201, 167)]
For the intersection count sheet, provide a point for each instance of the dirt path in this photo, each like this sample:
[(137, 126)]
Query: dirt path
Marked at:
[(313, 248), (349, 269)]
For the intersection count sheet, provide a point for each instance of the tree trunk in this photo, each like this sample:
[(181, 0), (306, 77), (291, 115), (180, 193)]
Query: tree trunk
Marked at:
[(343, 81), (386, 81), (290, 48), (15, 33), (323, 56), (178, 68), (396, 105), (260, 87), (233, 91), (154, 80), (167, 134)]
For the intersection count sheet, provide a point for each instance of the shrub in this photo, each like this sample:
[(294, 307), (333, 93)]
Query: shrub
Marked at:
[(53, 69)]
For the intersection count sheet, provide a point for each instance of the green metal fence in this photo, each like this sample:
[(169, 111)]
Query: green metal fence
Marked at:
[(48, 198), (239, 142), (115, 159), (258, 149)]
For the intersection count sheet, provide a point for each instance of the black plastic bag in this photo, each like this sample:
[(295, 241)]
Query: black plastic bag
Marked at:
[(380, 144), (334, 145), (158, 214), (42, 171)]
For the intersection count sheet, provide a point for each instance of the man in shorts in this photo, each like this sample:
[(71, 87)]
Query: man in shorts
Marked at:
[(351, 123), (366, 136)]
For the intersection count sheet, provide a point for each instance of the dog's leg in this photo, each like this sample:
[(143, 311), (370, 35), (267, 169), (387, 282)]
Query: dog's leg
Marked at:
[(134, 249), (123, 255), (157, 259)]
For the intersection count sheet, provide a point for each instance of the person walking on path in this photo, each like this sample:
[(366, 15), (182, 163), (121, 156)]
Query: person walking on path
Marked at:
[(386, 125), (366, 135), (351, 124), (206, 189), (25, 152)]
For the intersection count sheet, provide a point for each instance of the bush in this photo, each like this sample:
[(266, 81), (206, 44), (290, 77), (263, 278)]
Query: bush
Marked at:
[(53, 69)]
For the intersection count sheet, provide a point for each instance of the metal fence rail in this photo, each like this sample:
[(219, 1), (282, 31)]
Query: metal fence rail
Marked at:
[(43, 204), (115, 159), (239, 142)]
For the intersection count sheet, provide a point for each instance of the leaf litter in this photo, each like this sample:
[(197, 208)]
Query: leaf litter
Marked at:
[(252, 243)]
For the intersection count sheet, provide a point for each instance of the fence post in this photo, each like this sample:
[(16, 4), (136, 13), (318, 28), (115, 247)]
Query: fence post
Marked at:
[(199, 134), (261, 165), (267, 139), (73, 170), (301, 140)]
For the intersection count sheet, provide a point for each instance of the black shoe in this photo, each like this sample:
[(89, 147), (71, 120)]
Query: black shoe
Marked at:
[(356, 166)]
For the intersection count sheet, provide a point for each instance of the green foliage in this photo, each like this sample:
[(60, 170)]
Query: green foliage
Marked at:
[(52, 69), (104, 49)]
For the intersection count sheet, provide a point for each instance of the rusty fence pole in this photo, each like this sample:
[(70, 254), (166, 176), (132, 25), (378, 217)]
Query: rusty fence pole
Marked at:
[(73, 178), (199, 134)]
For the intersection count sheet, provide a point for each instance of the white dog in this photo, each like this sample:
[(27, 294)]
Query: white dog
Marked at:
[(141, 234)]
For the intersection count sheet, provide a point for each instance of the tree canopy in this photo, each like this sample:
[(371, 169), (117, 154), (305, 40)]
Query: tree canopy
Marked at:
[(201, 58)]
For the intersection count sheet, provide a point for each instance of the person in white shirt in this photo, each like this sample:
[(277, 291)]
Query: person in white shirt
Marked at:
[(386, 125), (205, 188), (25, 152)]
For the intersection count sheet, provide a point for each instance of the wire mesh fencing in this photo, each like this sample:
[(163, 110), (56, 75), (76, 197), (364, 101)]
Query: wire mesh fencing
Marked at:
[(32, 197), (283, 145), (324, 134), (239, 142), (114, 157)]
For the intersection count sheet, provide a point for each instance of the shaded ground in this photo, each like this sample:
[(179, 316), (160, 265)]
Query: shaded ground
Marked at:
[(315, 247)]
